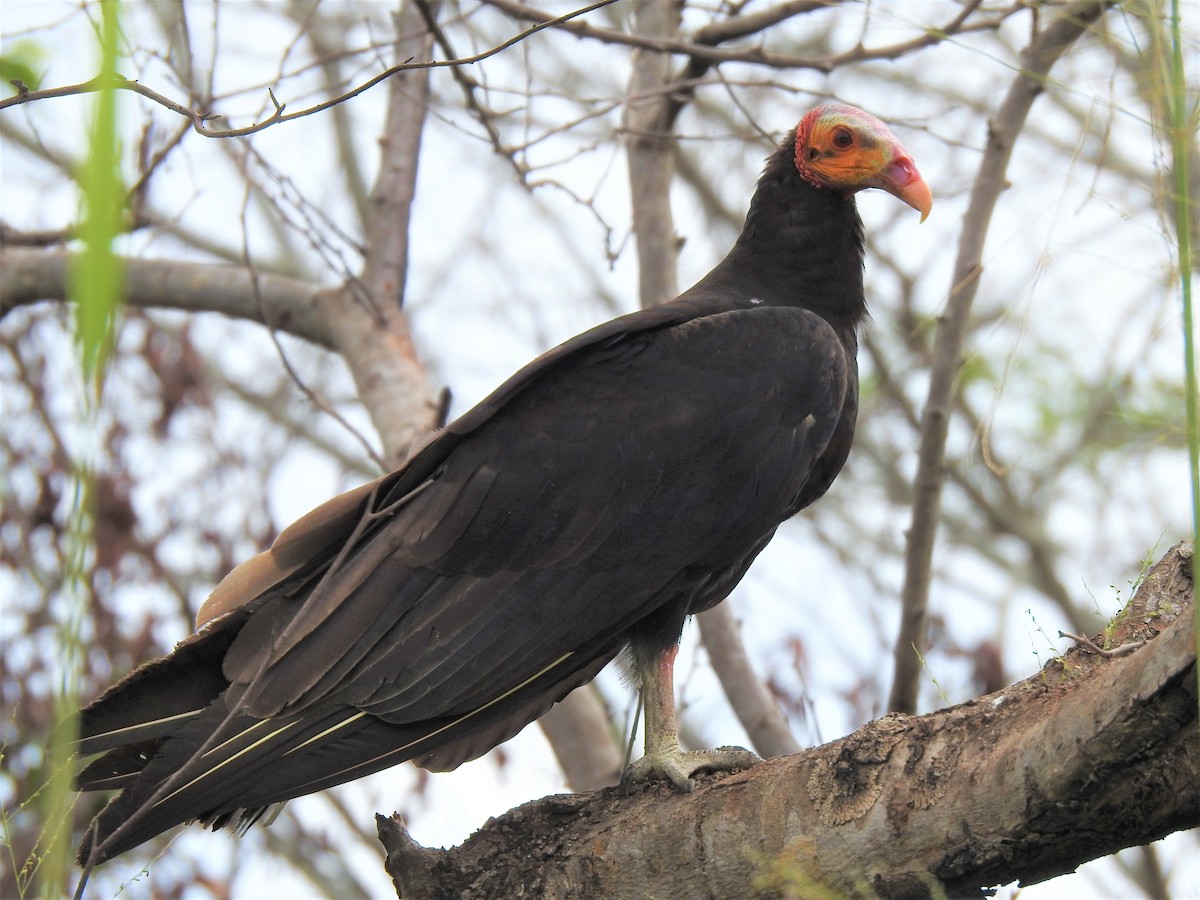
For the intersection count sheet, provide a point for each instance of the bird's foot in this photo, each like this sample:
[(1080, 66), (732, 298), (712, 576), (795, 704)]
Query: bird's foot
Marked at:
[(678, 766)]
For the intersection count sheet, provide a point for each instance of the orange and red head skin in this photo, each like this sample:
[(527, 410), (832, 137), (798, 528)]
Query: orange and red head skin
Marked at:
[(845, 149)]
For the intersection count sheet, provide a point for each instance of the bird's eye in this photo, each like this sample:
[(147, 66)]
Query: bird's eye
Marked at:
[(843, 138)]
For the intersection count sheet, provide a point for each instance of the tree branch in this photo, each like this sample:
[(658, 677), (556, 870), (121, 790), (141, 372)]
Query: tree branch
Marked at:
[(289, 305), (648, 148), (470, 89), (733, 28), (1036, 61), (370, 328), (198, 118), (579, 732), (756, 709), (385, 268), (1086, 757), (740, 26), (323, 37)]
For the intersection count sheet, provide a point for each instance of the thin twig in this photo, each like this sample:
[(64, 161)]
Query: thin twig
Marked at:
[(312, 395), (470, 88), (1089, 644), (199, 118), (714, 55)]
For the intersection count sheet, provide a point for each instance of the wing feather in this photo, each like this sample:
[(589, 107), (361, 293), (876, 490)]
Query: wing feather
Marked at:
[(694, 445), (438, 610)]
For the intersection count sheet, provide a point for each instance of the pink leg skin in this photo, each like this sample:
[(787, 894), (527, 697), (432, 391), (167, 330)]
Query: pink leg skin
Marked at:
[(663, 757)]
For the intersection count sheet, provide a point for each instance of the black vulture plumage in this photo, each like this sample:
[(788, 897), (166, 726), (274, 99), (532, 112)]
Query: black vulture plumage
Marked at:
[(614, 486)]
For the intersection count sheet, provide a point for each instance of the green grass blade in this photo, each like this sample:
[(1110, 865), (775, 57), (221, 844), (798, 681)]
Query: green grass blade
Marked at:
[(96, 287), (1181, 122), (97, 276)]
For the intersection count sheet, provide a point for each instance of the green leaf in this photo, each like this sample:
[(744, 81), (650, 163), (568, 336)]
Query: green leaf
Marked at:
[(22, 62)]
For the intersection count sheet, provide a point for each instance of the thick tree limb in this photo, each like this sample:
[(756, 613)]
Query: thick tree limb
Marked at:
[(1036, 61), (287, 304), (1088, 756)]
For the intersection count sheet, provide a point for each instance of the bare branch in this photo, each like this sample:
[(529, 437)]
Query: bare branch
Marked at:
[(470, 88), (648, 146), (1087, 642), (1003, 131), (702, 48), (371, 329), (313, 397), (98, 84), (385, 268), (199, 118), (287, 304), (745, 24), (583, 742), (756, 709), (147, 217), (321, 38), (47, 237), (713, 55)]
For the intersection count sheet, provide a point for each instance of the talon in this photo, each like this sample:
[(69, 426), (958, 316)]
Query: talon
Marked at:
[(663, 758), (678, 766)]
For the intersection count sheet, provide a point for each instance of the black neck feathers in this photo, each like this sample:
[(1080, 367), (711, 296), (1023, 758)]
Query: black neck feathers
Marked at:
[(801, 245)]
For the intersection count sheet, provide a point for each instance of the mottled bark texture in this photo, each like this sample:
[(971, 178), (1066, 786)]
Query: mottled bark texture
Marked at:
[(1092, 754)]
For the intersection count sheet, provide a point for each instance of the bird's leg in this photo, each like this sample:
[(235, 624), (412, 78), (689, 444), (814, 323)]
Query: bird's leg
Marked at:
[(663, 757)]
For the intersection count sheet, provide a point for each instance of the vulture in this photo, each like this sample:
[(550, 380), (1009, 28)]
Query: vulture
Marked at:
[(611, 488)]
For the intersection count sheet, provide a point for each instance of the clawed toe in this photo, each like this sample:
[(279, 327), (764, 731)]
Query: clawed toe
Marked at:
[(678, 766)]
